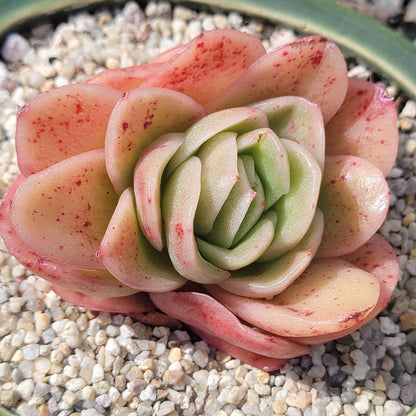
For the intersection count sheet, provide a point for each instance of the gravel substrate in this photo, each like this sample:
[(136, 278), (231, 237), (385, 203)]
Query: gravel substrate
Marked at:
[(58, 359)]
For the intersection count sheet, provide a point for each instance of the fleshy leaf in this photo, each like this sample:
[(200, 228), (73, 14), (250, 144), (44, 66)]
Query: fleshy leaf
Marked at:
[(127, 254), (365, 126), (203, 312), (237, 120), (246, 251), (354, 199), (179, 204), (296, 209), (141, 116), (263, 280), (208, 64), (61, 123), (219, 173), (88, 281), (137, 303), (271, 162), (316, 303), (296, 118), (378, 258), (312, 67), (124, 79), (63, 211), (147, 182), (256, 207), (233, 212)]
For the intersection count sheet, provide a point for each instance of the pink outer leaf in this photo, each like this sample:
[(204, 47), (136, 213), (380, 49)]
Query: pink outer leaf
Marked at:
[(127, 254), (248, 357), (137, 303), (62, 212), (378, 258), (203, 312), (354, 199), (315, 304), (141, 116), (208, 64), (61, 123), (312, 67), (91, 281), (365, 126), (124, 79), (263, 280)]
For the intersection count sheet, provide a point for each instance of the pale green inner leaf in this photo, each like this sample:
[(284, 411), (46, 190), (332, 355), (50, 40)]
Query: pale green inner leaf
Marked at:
[(263, 280), (247, 251), (233, 211), (219, 174), (296, 209), (179, 204), (237, 120), (272, 164), (256, 208)]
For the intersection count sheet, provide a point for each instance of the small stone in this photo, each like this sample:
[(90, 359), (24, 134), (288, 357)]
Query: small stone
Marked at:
[(362, 404), (9, 398), (350, 410), (149, 393), (358, 356), (200, 358), (408, 394), (379, 383), (393, 391), (15, 48), (165, 408), (333, 408), (394, 408), (5, 371)]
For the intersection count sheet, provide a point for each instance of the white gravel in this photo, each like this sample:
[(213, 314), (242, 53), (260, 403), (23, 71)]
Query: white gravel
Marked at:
[(57, 359)]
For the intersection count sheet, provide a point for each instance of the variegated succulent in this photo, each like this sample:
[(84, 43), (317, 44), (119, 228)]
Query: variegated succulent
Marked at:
[(232, 189)]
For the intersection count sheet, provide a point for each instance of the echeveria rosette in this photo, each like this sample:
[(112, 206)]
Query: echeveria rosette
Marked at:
[(230, 189)]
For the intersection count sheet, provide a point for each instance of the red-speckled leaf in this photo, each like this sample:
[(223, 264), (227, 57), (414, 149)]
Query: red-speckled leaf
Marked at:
[(208, 64), (141, 116), (311, 67), (137, 303), (62, 212), (248, 357), (88, 281), (296, 118), (263, 280), (331, 295), (378, 258), (124, 79), (203, 312), (61, 123), (365, 126), (147, 186), (127, 254), (354, 199)]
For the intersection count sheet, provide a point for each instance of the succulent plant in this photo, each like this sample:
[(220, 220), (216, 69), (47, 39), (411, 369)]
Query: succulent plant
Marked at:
[(232, 189)]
